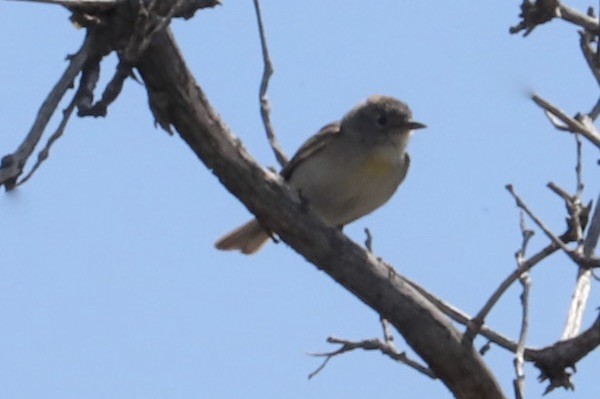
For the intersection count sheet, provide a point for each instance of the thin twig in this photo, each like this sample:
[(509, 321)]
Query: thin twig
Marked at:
[(523, 266), (579, 168), (368, 344), (537, 221), (388, 337), (368, 240), (570, 124), (519, 360), (43, 154), (577, 258), (576, 221), (111, 92), (265, 107)]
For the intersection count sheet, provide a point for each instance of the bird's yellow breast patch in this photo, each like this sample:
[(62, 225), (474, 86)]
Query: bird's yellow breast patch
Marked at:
[(378, 165)]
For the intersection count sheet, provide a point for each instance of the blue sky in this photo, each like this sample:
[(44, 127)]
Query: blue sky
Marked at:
[(109, 283)]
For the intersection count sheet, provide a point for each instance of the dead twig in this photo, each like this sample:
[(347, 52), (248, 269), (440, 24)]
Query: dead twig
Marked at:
[(387, 348), (368, 240), (12, 165), (576, 222), (265, 107), (574, 255), (519, 360), (43, 154), (555, 115), (586, 246)]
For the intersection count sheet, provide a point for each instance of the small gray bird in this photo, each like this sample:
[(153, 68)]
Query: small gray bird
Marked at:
[(345, 171)]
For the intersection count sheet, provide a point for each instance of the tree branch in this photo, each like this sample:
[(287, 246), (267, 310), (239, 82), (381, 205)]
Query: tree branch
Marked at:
[(12, 165), (555, 359), (542, 11), (427, 331), (573, 125), (384, 347), (519, 360), (265, 106), (186, 9)]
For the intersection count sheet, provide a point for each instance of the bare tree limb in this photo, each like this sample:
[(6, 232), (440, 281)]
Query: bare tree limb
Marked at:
[(43, 154), (576, 222), (553, 361), (265, 106), (578, 18), (12, 165), (519, 360), (541, 11), (423, 327), (583, 286), (574, 255), (570, 124), (579, 301)]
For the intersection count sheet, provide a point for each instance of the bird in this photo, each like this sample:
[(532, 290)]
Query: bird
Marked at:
[(346, 170)]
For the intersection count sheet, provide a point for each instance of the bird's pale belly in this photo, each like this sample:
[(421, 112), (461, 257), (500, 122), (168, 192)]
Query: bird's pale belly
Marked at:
[(348, 190)]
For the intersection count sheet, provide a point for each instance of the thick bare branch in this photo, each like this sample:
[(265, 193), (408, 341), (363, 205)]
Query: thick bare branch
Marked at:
[(427, 331), (553, 361)]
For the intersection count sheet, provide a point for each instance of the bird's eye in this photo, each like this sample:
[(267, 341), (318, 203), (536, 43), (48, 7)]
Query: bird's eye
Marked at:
[(382, 120)]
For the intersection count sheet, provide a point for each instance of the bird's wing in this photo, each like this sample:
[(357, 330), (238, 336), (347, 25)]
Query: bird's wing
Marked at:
[(311, 146)]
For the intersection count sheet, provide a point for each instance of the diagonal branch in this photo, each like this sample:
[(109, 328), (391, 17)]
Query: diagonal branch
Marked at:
[(578, 18), (423, 326), (368, 345), (12, 165), (573, 125)]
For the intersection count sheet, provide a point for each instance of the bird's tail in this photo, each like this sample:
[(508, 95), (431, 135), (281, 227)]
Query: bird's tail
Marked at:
[(248, 238)]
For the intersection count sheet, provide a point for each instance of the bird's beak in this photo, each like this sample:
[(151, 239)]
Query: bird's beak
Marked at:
[(415, 125)]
